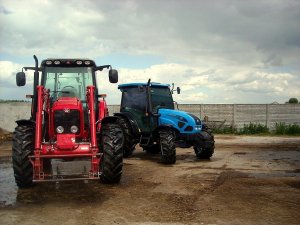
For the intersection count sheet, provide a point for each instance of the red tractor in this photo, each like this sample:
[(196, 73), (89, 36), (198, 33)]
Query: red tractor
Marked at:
[(69, 135)]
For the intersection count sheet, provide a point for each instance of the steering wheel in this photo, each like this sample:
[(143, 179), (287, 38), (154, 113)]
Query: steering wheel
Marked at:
[(69, 86), (68, 91)]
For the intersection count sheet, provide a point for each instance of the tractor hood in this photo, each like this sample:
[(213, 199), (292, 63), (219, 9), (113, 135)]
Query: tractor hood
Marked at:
[(67, 103), (180, 120), (67, 118)]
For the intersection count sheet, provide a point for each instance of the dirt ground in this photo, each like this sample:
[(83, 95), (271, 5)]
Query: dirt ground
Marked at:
[(249, 180)]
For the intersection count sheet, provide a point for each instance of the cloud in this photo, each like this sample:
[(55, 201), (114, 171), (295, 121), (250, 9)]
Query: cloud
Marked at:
[(201, 85), (226, 51), (213, 87), (7, 73), (4, 11), (195, 32), (272, 60), (8, 87)]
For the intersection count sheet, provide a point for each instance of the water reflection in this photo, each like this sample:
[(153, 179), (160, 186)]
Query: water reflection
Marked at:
[(59, 192)]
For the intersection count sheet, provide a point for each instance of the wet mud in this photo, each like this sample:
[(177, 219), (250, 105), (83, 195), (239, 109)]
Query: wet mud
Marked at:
[(249, 180)]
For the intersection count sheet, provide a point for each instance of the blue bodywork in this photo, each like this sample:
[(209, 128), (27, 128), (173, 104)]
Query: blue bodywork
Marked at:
[(184, 122)]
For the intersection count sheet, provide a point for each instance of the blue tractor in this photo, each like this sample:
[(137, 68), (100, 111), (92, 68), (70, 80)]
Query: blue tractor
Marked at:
[(148, 117)]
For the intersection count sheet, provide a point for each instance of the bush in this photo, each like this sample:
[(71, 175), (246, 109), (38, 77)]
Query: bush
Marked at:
[(254, 128), (225, 130), (290, 129), (293, 101), (280, 128)]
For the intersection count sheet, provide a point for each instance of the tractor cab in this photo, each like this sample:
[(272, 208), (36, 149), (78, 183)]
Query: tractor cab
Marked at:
[(143, 102), (67, 82)]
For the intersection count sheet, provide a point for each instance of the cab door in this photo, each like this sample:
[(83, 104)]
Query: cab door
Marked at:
[(135, 102)]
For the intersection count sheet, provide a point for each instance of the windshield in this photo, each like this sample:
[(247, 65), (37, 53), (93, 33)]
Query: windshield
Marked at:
[(161, 97), (68, 81)]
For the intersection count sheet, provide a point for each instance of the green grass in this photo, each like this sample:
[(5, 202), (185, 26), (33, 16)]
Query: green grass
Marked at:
[(254, 128), (257, 128), (287, 129), (225, 130)]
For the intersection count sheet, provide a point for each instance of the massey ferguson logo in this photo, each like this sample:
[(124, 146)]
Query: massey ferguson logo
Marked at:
[(67, 110)]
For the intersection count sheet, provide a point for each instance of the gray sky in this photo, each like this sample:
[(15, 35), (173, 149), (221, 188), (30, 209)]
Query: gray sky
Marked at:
[(229, 51)]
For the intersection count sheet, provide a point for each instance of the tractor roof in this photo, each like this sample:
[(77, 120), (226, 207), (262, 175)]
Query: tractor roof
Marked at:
[(67, 62), (152, 84)]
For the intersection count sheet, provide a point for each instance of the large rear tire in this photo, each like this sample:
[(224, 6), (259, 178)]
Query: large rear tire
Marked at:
[(204, 146), (112, 147), (167, 145), (129, 140), (22, 148)]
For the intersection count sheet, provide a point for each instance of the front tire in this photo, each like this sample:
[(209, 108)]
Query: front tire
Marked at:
[(22, 148), (167, 146), (112, 147), (204, 146), (129, 143)]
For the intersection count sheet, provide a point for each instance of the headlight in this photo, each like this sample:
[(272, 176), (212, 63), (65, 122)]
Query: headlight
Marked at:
[(74, 129), (198, 128), (59, 129)]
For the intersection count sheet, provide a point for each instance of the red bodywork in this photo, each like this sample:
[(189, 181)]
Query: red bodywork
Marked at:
[(66, 104), (67, 145)]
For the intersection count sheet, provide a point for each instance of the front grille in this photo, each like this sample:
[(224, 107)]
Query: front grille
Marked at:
[(67, 119)]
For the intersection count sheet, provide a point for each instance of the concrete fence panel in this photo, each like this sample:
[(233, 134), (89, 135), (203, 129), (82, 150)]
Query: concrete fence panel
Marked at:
[(227, 114), (12, 111)]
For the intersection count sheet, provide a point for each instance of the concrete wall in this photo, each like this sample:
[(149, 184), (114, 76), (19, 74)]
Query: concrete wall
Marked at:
[(240, 114), (12, 111), (229, 114)]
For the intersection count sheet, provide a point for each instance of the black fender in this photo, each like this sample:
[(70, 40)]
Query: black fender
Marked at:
[(206, 136), (133, 124), (24, 122), (109, 119), (166, 127)]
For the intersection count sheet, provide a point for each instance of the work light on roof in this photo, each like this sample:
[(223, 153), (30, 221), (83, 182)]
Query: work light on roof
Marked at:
[(79, 62), (48, 62), (87, 62), (56, 62)]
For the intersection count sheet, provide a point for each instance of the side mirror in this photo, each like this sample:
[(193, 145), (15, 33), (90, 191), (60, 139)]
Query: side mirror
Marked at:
[(113, 76), (20, 79), (178, 90)]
